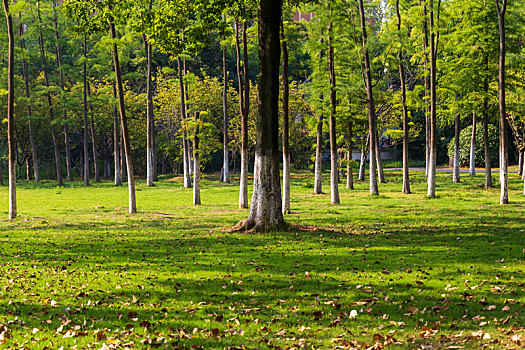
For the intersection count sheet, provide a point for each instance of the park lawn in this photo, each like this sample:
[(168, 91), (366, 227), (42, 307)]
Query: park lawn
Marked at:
[(76, 271)]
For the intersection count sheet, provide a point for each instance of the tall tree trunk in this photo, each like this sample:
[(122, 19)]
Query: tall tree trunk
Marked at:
[(265, 211), (406, 175), (503, 142), (34, 147), (362, 162), (93, 139), (122, 158), (196, 163), (10, 111), (244, 98), (62, 87), (455, 168), (285, 136), (349, 161), (431, 181), (50, 104), (488, 166), (379, 161), (520, 161), (124, 123), (149, 112), (318, 181), (472, 161), (372, 119), (225, 163), (116, 138), (427, 88), (85, 110), (185, 158), (334, 163)]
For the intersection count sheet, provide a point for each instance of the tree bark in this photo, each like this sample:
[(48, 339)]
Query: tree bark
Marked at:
[(374, 190), (406, 175), (62, 87), (455, 168), (266, 212), (488, 166), (431, 181), (85, 110), (149, 112), (185, 158), (50, 104), (116, 138), (362, 162), (334, 163), (503, 142), (124, 123), (34, 147), (520, 161), (225, 163), (318, 181), (427, 88), (349, 161), (10, 111), (379, 161), (93, 139), (472, 162), (285, 136), (196, 163)]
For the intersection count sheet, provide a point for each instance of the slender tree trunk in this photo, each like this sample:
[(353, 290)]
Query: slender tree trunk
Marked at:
[(520, 161), (266, 212), (28, 171), (379, 161), (62, 87), (50, 105), (455, 169), (374, 190), (93, 139), (122, 158), (503, 142), (187, 180), (431, 181), (318, 181), (427, 89), (124, 123), (488, 166), (85, 110), (10, 111), (472, 162), (34, 147), (349, 161), (116, 138), (334, 164), (149, 111), (362, 162), (406, 179), (226, 123), (196, 163), (244, 99), (285, 136)]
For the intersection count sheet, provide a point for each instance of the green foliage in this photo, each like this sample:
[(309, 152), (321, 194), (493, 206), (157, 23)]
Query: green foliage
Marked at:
[(465, 137)]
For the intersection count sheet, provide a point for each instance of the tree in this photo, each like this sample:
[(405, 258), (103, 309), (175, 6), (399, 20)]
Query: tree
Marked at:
[(286, 122), (503, 150)]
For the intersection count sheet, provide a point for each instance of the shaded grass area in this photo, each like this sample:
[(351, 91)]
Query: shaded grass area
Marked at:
[(394, 270)]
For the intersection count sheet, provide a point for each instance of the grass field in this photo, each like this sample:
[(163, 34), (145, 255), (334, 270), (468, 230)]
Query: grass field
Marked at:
[(396, 271)]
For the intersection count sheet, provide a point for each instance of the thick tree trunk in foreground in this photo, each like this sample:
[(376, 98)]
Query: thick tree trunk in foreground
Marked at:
[(10, 111), (503, 142), (225, 163), (196, 163), (334, 163), (374, 190), (185, 151), (431, 181), (455, 168), (124, 124), (349, 161), (85, 110), (50, 105), (116, 138), (34, 147), (472, 161), (265, 211), (285, 136), (488, 166)]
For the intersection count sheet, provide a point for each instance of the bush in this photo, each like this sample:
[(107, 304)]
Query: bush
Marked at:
[(464, 145)]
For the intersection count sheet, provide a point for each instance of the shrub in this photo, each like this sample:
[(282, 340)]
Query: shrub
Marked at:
[(464, 145)]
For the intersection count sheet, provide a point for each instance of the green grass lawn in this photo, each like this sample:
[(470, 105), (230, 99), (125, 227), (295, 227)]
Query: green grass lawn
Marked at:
[(403, 271)]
